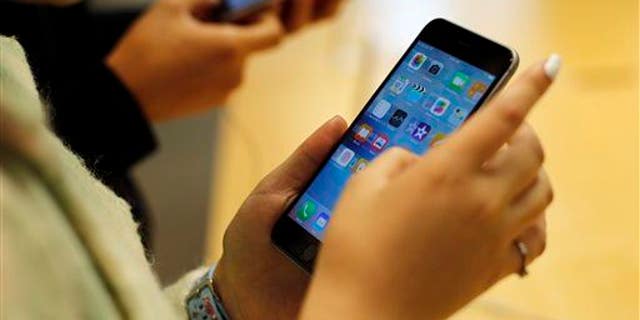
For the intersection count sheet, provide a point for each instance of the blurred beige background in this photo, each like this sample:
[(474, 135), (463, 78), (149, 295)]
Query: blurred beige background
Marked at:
[(589, 123)]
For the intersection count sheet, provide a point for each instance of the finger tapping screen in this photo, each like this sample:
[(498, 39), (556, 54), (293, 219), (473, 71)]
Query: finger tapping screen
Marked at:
[(428, 96)]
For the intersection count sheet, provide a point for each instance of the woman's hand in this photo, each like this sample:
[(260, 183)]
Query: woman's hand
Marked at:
[(295, 14), (176, 64), (253, 278), (419, 237)]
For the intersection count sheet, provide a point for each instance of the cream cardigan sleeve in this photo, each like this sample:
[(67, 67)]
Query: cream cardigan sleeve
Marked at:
[(70, 247)]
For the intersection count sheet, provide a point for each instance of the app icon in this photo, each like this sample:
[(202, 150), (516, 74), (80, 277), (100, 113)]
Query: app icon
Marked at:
[(440, 106), (362, 132), (381, 109), (398, 118), (413, 124), (380, 142), (344, 157), (421, 131), (360, 165), (372, 137), (435, 67), (321, 222), (457, 116), (399, 85), (417, 61), (438, 138), (458, 82), (416, 93), (477, 90), (307, 210)]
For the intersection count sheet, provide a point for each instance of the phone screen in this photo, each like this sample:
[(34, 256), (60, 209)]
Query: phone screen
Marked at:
[(428, 95)]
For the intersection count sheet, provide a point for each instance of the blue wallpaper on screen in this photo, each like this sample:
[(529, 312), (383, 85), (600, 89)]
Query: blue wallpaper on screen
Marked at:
[(428, 96)]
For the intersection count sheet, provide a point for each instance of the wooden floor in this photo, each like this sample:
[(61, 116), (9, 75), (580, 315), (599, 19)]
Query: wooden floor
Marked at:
[(588, 122)]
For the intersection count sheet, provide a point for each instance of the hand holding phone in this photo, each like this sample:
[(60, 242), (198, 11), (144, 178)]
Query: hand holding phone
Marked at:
[(441, 80), (252, 268), (294, 14), (418, 237), (210, 64), (254, 279)]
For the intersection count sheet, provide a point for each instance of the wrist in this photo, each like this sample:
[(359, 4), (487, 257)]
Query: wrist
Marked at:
[(347, 294), (203, 301), (227, 290), (125, 68)]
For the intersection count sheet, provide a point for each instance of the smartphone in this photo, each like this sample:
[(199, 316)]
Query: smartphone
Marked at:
[(442, 79), (235, 10)]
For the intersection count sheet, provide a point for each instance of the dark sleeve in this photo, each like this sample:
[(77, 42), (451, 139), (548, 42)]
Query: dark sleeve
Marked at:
[(100, 120), (91, 111)]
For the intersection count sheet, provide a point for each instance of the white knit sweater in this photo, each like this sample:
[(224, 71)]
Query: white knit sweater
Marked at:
[(69, 247)]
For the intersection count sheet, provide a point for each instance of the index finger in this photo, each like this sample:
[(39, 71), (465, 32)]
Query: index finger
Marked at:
[(492, 127)]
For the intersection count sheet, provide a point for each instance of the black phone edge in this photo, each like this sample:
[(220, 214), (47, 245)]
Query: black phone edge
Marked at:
[(296, 243)]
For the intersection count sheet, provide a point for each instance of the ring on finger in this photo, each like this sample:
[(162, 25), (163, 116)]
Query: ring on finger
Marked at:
[(523, 250)]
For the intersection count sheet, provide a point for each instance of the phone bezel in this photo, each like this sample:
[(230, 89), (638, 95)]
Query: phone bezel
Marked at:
[(297, 243)]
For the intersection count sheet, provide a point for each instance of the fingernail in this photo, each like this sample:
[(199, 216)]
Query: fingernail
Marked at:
[(552, 66), (333, 119)]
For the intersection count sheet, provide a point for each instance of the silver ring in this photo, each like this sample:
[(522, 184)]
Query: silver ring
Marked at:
[(523, 250)]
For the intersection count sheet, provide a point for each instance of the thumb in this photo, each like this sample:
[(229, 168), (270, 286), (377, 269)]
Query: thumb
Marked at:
[(272, 195), (290, 177)]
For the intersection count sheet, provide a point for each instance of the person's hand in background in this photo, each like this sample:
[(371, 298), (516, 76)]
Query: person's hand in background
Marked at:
[(175, 63), (253, 278), (419, 237), (295, 14)]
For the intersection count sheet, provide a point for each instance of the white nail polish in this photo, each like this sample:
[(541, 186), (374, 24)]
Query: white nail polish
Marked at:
[(552, 66)]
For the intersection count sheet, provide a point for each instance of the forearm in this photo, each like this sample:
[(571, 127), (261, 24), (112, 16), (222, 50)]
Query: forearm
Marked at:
[(327, 301), (324, 302)]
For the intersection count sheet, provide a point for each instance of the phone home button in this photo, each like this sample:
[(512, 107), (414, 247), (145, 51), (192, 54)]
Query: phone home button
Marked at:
[(309, 253)]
